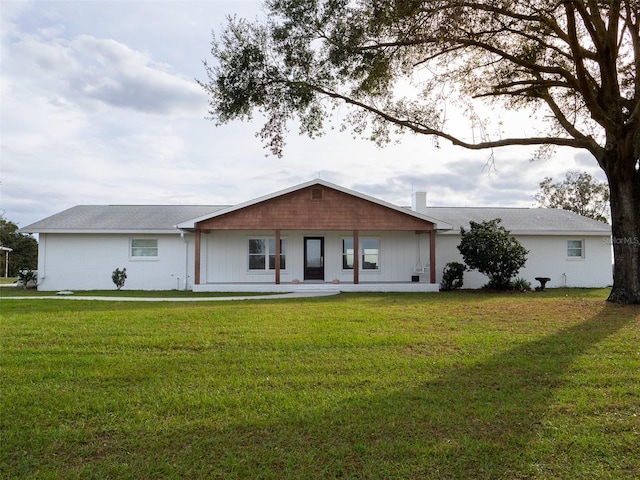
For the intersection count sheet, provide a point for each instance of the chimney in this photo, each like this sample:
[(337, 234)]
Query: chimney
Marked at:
[(420, 202)]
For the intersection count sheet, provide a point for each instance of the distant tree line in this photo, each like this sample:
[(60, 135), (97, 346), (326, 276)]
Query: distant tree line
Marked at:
[(24, 255)]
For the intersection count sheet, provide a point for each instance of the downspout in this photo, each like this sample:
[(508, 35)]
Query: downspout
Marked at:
[(186, 259), (42, 242), (196, 273)]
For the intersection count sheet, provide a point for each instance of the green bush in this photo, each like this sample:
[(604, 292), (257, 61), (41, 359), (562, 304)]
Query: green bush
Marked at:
[(452, 276), (119, 276), (28, 278), (489, 248)]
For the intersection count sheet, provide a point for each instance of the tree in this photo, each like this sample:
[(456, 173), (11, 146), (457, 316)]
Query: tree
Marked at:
[(579, 192), (25, 249), (401, 63), (489, 248)]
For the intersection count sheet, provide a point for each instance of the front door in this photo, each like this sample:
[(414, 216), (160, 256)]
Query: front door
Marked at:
[(313, 258)]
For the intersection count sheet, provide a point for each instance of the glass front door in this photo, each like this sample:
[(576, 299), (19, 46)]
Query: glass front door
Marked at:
[(314, 258)]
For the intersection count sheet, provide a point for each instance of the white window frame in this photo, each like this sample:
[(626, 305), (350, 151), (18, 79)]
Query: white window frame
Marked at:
[(346, 253), (575, 249), (363, 253), (268, 254), (149, 248)]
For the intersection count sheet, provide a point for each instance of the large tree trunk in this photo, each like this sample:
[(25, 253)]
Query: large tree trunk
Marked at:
[(624, 184)]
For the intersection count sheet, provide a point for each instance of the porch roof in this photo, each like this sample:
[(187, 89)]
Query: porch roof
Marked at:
[(334, 208)]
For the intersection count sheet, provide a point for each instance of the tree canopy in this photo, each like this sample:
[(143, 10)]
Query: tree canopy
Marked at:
[(402, 63), (25, 249), (577, 60), (579, 192)]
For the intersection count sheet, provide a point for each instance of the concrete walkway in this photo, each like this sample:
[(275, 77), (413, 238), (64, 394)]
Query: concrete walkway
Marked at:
[(305, 294)]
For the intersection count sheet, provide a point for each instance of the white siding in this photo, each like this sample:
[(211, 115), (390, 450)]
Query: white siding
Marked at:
[(225, 257), (86, 262), (547, 258)]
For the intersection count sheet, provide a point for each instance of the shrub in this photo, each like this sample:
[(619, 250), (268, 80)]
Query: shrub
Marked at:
[(521, 285), (489, 248), (119, 276), (452, 276), (28, 278)]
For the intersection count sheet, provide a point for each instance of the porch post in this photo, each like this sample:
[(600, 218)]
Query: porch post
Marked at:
[(356, 258), (196, 270), (278, 257), (432, 256)]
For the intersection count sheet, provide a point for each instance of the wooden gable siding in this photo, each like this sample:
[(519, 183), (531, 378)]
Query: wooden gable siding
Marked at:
[(303, 210)]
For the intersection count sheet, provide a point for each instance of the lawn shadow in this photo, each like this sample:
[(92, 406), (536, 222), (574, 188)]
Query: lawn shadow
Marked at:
[(470, 422), (476, 421)]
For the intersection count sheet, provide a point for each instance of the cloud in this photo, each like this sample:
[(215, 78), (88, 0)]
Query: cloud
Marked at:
[(88, 70), (123, 78)]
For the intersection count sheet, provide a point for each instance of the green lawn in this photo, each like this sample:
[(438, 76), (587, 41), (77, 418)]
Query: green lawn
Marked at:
[(361, 386), (32, 292)]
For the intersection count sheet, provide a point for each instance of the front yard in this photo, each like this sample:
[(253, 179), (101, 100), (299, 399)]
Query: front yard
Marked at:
[(366, 386)]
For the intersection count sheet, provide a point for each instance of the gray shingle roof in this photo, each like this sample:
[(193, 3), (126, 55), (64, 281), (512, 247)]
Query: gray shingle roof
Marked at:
[(522, 220), (164, 218), (123, 218)]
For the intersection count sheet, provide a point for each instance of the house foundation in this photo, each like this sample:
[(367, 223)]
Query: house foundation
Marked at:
[(315, 287)]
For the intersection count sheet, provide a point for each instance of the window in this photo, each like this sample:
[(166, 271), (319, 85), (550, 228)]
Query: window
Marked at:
[(347, 254), (370, 254), (575, 249), (261, 249), (257, 252), (272, 254), (370, 248), (144, 247)]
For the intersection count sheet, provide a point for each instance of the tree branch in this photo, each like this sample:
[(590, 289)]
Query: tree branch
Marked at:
[(422, 129)]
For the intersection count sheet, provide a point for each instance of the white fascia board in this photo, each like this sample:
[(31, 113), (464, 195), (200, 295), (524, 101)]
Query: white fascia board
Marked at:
[(563, 233), (102, 231)]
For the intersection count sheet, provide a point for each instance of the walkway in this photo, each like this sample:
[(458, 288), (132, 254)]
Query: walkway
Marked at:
[(304, 294)]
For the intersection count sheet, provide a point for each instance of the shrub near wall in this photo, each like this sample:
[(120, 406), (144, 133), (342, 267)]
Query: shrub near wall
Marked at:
[(452, 276), (489, 248)]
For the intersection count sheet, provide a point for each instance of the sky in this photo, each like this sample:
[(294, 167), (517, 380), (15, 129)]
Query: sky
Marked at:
[(99, 105)]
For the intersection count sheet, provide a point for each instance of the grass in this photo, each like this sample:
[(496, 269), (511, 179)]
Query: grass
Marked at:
[(32, 292), (361, 386)]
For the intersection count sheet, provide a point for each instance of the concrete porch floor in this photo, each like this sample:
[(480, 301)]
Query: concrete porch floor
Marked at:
[(318, 287)]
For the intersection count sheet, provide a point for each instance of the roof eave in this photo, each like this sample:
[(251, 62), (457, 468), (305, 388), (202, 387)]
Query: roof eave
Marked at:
[(101, 231), (558, 233)]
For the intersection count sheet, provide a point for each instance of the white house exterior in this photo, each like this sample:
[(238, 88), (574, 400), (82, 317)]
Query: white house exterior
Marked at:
[(571, 250), (303, 237), (80, 247)]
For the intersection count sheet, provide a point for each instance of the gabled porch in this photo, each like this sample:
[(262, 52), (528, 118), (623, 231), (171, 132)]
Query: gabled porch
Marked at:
[(315, 236)]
